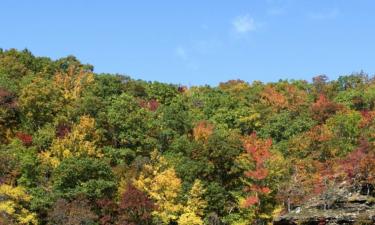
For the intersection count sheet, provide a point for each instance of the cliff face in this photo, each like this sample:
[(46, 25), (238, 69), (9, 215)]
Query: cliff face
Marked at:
[(339, 205)]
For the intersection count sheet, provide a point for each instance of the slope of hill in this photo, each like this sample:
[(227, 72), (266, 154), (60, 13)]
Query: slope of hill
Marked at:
[(78, 147)]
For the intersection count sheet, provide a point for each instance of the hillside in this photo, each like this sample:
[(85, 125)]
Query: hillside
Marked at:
[(77, 147)]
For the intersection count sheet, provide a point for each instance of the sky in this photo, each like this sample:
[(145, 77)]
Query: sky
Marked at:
[(197, 42)]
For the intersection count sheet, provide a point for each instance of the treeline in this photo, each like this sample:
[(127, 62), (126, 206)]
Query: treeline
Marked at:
[(84, 148)]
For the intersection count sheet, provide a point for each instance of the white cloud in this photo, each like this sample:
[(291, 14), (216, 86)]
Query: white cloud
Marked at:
[(333, 13), (244, 24)]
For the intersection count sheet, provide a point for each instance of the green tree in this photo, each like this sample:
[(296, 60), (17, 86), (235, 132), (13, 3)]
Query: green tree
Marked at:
[(83, 176), (127, 121), (39, 102)]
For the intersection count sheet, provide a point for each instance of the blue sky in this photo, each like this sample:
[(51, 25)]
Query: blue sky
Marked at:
[(198, 42)]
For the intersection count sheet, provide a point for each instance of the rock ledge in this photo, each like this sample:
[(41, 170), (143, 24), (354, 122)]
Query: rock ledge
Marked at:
[(340, 205)]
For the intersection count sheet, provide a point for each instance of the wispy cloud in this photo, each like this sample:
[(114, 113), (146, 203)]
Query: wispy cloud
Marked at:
[(187, 60), (181, 52), (331, 14), (206, 46), (276, 11), (278, 2), (244, 24)]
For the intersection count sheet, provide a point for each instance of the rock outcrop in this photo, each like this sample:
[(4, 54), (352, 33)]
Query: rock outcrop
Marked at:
[(339, 205)]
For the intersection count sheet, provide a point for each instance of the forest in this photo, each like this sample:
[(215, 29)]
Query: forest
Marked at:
[(81, 148)]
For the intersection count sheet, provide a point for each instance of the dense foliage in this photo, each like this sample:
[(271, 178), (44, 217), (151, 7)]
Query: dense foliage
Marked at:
[(78, 147)]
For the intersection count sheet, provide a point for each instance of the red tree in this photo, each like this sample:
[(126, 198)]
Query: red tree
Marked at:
[(62, 130), (320, 83), (107, 211), (65, 212), (323, 108), (258, 152), (7, 99), (359, 166), (135, 207), (151, 105), (26, 139)]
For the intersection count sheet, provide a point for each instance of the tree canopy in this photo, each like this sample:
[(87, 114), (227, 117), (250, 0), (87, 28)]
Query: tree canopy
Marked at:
[(77, 147)]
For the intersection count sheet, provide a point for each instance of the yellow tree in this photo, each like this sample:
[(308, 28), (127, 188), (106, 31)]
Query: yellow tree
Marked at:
[(195, 206), (12, 206), (81, 141), (161, 183), (73, 82)]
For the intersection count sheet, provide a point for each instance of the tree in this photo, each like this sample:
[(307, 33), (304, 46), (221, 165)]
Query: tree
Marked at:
[(107, 210), (345, 129), (174, 120), (320, 83), (190, 219), (13, 205), (26, 139), (8, 114), (323, 108), (89, 177), (127, 121), (16, 68), (78, 211), (212, 161), (353, 81), (202, 131), (72, 82), (39, 103), (195, 206), (297, 188), (367, 171), (82, 140), (163, 186), (353, 99), (258, 151), (9, 167), (163, 93), (358, 166), (284, 125), (135, 207), (20, 163), (108, 85), (274, 99)]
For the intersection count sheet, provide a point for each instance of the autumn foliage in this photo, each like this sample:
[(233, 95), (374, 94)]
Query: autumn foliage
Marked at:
[(274, 98), (78, 147), (151, 105), (258, 151), (7, 99), (135, 207), (203, 130), (26, 139), (323, 108)]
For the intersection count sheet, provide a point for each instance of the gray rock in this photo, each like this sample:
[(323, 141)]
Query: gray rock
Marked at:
[(340, 205)]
